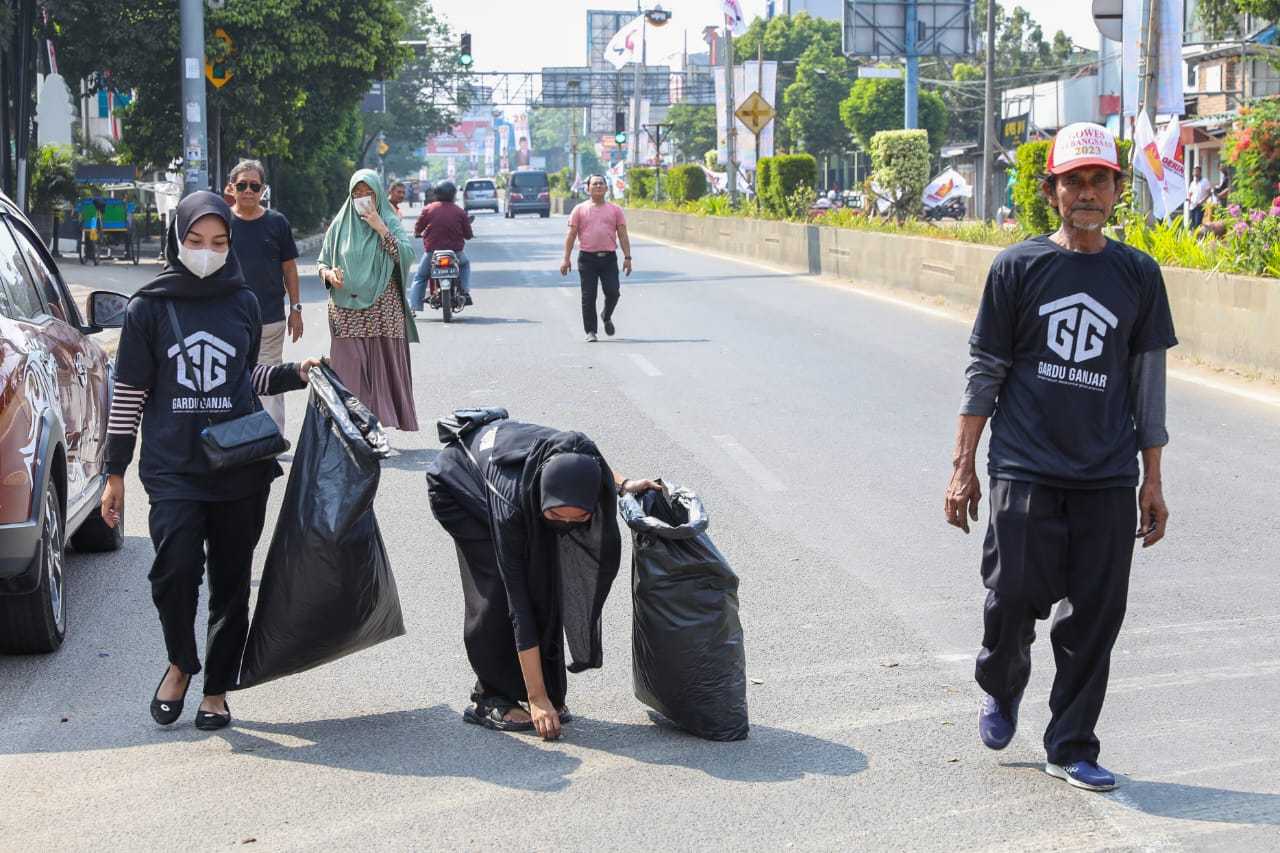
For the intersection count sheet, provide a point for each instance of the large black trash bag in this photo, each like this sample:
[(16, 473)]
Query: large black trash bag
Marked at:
[(688, 659), (327, 589)]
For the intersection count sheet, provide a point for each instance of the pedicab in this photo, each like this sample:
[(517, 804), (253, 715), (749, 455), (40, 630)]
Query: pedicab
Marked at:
[(106, 230)]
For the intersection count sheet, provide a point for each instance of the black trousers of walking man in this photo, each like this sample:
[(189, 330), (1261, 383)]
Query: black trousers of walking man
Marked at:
[(1047, 545), (598, 270)]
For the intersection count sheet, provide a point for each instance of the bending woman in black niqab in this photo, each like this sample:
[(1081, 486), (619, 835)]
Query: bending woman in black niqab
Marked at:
[(533, 513)]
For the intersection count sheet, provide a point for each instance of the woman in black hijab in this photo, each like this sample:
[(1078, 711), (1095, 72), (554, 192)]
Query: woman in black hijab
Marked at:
[(194, 512), (533, 512)]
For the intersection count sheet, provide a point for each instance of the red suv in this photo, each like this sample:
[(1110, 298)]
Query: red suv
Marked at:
[(55, 398)]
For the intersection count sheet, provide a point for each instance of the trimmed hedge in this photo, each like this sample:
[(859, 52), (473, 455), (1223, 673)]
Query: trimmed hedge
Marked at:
[(641, 182), (900, 165), (779, 177), (1033, 210), (686, 183)]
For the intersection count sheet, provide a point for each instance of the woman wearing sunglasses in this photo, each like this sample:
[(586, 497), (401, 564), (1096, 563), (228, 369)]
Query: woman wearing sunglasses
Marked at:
[(263, 241), (365, 262)]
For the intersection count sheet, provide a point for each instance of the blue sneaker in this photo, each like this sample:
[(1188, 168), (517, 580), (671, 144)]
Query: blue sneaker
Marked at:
[(998, 721), (1083, 774)]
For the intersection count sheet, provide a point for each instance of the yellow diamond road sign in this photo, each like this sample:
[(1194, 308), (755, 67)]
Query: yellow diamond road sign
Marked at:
[(218, 74), (755, 113)]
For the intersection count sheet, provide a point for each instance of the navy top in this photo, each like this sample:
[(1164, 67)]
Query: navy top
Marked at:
[(1071, 324), (262, 246)]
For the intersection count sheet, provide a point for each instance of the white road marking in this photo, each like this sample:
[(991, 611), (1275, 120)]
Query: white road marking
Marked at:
[(956, 658), (646, 367), (749, 463)]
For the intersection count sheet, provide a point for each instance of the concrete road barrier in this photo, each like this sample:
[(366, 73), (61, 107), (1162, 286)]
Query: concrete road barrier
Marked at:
[(1229, 321)]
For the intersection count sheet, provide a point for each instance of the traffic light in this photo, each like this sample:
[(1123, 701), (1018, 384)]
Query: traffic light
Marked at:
[(464, 53), (620, 128)]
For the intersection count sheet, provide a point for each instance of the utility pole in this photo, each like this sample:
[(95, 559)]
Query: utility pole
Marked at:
[(195, 150), (639, 88), (730, 127), (912, 106), (1150, 75), (989, 111)]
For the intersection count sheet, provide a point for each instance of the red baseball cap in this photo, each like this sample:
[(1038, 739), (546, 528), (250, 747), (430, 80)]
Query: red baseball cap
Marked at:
[(1082, 144)]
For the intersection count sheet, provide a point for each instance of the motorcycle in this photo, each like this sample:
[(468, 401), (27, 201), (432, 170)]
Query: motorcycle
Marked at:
[(953, 209), (443, 291)]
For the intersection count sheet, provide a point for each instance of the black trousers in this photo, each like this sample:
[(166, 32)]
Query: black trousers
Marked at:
[(1197, 216), (489, 636), (191, 537), (1047, 545), (598, 270)]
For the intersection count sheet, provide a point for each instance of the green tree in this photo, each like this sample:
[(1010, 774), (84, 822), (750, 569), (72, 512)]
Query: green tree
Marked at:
[(876, 104), (900, 164), (423, 99), (693, 129), (813, 117), (785, 38), (1220, 17)]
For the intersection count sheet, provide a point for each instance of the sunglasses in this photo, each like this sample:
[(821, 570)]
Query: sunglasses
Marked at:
[(241, 186)]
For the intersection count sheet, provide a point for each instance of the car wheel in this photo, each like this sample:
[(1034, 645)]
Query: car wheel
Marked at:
[(95, 536), (37, 621), (544, 213)]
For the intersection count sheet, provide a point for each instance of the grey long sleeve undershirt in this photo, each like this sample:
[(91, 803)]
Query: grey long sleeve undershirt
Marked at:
[(986, 373)]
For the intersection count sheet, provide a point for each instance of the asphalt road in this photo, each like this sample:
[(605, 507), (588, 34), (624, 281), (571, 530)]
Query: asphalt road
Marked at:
[(817, 422)]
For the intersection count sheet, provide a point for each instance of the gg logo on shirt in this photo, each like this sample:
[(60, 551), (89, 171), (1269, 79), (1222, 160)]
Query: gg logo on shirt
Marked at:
[(209, 356), (1078, 326)]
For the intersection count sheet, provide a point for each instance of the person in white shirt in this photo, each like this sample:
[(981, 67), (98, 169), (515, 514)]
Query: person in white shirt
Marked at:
[(1197, 194)]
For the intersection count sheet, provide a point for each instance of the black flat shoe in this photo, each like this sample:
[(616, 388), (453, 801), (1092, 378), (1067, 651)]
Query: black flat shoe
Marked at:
[(207, 721), (165, 712)]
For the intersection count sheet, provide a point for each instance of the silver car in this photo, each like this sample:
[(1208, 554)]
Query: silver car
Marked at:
[(480, 194)]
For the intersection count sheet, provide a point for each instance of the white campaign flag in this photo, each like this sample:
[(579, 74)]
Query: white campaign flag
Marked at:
[(1173, 158), (734, 19), (1146, 156), (950, 184), (626, 44)]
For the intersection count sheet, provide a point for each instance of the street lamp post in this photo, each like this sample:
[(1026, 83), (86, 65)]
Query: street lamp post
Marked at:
[(657, 16), (195, 175)]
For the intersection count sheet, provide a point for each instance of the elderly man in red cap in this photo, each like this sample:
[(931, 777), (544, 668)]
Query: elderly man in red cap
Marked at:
[(1067, 359)]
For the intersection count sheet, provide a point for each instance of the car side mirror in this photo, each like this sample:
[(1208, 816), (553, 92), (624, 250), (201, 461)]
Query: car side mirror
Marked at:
[(107, 309)]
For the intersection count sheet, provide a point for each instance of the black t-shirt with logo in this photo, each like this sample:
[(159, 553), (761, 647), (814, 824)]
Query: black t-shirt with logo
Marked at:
[(1071, 323), (222, 337), (262, 246)]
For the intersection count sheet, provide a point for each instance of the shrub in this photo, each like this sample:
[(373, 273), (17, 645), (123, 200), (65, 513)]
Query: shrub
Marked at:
[(641, 182), (900, 165), (778, 179), (1253, 148), (53, 179), (686, 183)]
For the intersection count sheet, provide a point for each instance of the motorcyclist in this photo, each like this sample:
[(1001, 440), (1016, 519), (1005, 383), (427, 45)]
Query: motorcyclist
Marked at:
[(442, 225)]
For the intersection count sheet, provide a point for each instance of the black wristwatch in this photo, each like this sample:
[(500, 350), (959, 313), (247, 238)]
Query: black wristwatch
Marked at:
[(622, 487), (626, 257)]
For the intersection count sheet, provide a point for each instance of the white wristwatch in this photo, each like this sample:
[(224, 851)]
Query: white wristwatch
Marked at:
[(297, 306)]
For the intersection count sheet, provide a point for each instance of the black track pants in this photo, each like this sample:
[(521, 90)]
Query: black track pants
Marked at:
[(190, 537), (598, 270), (1047, 545)]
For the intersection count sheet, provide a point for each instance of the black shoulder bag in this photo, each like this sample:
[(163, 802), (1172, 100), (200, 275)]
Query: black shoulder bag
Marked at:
[(239, 441)]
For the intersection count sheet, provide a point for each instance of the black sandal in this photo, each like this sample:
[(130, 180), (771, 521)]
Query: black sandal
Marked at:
[(565, 716), (167, 711), (492, 715), (208, 721)]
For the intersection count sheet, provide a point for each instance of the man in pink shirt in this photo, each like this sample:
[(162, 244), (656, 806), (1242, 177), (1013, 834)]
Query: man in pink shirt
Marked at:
[(598, 227)]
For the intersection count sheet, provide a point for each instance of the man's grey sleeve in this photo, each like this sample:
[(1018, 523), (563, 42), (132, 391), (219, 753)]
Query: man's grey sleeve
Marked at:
[(1147, 382), (984, 378)]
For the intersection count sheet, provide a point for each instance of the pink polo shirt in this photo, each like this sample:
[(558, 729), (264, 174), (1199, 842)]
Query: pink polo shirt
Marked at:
[(597, 226)]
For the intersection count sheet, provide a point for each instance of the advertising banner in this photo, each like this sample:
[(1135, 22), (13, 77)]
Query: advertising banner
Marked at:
[(748, 78)]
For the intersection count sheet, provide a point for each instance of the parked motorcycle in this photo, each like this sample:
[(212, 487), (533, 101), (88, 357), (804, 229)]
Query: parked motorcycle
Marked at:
[(951, 209), (443, 291)]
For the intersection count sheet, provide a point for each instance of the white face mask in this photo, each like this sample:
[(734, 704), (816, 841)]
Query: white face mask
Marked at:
[(364, 205), (201, 262)]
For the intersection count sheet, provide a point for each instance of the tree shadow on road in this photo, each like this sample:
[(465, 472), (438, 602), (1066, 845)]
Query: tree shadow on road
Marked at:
[(767, 755), (1189, 802), (428, 742)]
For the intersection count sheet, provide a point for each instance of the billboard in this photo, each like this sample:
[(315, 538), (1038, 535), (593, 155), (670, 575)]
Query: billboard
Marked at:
[(461, 140), (877, 29)]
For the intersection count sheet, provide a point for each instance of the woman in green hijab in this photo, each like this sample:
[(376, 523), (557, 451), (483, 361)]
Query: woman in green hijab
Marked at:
[(366, 259)]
